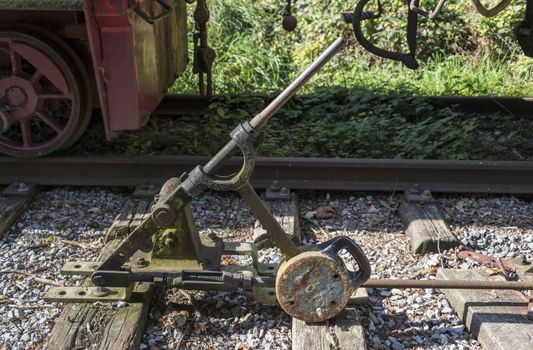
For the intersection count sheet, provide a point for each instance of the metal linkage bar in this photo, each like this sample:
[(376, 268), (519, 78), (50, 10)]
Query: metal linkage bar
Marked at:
[(442, 284)]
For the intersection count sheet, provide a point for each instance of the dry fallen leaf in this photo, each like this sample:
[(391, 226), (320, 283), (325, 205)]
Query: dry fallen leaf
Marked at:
[(430, 270), (229, 261), (492, 271), (179, 318), (323, 213), (242, 346)]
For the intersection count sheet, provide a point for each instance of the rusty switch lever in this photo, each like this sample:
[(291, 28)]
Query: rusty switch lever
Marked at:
[(246, 138), (186, 279)]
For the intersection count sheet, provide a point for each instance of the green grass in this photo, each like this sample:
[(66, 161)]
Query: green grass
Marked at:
[(460, 53)]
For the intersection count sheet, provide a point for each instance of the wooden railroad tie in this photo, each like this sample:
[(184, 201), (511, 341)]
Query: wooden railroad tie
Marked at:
[(424, 223), (14, 200), (111, 327), (497, 318)]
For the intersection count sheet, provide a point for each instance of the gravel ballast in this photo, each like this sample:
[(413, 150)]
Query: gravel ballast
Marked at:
[(34, 250), (37, 246)]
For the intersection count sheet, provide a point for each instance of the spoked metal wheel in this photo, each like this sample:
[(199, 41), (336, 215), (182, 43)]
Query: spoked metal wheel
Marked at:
[(44, 99)]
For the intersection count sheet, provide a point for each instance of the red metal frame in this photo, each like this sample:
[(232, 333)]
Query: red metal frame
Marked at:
[(120, 52), (126, 64)]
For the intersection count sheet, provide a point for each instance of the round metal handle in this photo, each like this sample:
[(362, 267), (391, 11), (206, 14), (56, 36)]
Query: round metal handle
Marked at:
[(334, 246)]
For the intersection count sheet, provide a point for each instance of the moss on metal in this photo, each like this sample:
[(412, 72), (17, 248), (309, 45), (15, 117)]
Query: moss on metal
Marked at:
[(176, 242)]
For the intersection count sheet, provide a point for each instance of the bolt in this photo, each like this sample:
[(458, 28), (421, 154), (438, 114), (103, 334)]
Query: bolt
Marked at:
[(101, 292), (98, 280), (164, 215), (142, 262), (319, 312), (275, 185), (284, 192), (22, 187)]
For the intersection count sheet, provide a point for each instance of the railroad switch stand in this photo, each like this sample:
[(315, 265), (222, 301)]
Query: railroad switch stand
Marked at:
[(312, 283)]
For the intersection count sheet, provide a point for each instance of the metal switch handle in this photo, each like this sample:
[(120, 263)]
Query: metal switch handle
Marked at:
[(334, 246)]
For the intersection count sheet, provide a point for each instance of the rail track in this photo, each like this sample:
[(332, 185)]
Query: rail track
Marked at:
[(174, 105), (295, 173)]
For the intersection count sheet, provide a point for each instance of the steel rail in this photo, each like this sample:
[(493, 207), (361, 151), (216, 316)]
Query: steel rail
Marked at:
[(295, 173), (191, 105)]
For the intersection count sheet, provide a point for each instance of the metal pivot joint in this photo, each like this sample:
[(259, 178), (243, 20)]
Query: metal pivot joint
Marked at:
[(246, 139)]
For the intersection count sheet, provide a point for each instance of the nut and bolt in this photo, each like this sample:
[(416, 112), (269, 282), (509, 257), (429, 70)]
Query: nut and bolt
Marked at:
[(284, 192), (164, 215), (142, 262), (22, 187), (101, 292)]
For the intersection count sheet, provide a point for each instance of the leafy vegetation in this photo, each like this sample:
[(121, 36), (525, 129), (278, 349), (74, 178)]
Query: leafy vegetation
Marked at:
[(460, 52), (335, 122)]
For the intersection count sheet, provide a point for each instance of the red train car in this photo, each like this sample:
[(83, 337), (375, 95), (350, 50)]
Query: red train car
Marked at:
[(61, 59)]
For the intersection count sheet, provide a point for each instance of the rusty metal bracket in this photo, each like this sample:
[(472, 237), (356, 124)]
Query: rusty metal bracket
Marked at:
[(521, 266), (493, 11), (359, 15)]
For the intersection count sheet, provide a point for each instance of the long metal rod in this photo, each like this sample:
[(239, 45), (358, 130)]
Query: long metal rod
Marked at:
[(259, 121), (447, 284), (262, 118)]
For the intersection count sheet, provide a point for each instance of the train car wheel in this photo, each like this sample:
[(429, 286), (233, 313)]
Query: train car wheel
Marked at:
[(42, 96)]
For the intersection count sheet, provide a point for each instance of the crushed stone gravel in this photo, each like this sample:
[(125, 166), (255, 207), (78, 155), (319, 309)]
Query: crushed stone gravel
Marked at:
[(394, 319), (36, 247)]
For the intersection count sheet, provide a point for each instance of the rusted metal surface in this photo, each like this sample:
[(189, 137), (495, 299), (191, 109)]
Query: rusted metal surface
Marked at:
[(486, 260), (179, 105), (135, 61), (313, 287), (316, 285), (448, 284), (295, 173)]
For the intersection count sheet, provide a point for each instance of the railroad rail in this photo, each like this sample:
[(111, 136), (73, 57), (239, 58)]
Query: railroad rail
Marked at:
[(180, 105), (295, 173)]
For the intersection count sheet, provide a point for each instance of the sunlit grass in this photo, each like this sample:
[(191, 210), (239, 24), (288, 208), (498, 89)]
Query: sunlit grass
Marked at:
[(255, 54)]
